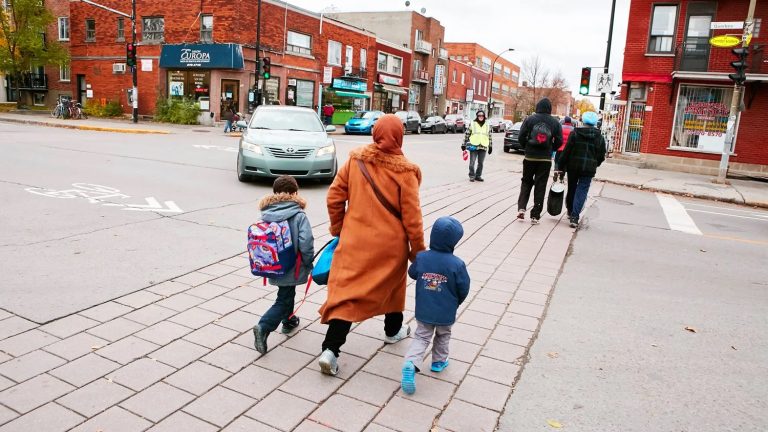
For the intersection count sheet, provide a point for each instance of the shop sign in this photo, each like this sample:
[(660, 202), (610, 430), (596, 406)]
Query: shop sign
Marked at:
[(470, 97), (439, 76), (343, 84), (204, 56), (724, 41), (386, 79), (706, 118), (727, 25)]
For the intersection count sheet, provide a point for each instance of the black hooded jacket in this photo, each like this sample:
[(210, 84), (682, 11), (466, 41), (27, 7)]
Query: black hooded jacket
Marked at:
[(583, 153), (543, 114)]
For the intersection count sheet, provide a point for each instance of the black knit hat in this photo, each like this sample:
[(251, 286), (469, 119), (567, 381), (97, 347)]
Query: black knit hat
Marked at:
[(285, 184)]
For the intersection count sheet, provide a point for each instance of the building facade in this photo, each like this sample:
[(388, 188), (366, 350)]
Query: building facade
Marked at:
[(506, 75), (678, 92), (424, 36), (459, 93), (393, 72)]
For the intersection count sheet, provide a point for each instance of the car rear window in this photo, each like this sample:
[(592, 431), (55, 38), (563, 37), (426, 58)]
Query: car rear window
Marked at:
[(365, 114)]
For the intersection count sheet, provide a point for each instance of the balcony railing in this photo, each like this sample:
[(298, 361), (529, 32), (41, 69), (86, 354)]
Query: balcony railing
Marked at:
[(29, 81), (356, 72), (423, 47), (443, 54), (420, 76)]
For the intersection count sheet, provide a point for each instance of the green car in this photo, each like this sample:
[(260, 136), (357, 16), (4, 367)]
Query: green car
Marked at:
[(286, 140)]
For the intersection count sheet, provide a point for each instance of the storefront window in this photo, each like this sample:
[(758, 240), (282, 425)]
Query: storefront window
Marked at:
[(305, 91), (189, 84), (701, 118)]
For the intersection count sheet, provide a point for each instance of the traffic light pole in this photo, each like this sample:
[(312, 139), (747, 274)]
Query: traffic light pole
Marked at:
[(132, 17), (257, 91), (730, 132), (608, 51)]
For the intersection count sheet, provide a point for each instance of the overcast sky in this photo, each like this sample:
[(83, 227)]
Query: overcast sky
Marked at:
[(566, 35)]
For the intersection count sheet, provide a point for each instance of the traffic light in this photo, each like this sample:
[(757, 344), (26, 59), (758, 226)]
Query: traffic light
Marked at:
[(586, 74), (130, 54), (740, 65), (266, 65)]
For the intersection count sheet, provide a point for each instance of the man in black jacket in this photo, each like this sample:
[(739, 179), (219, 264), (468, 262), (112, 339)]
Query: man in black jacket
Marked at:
[(540, 135), (584, 152)]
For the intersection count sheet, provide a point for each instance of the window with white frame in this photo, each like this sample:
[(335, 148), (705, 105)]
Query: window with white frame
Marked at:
[(453, 75), (701, 118), (392, 64), (120, 29), (153, 29), (349, 58), (363, 58), (300, 43), (662, 34), (463, 76), (474, 84), (515, 76), (64, 73), (495, 87), (206, 28), (334, 53), (63, 28), (507, 72)]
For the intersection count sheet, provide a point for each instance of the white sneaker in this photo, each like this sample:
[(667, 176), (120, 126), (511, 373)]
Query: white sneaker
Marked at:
[(328, 363), (402, 334), (534, 221)]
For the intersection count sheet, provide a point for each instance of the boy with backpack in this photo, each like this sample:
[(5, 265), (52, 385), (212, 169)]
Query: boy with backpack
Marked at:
[(281, 248), (442, 284), (540, 134)]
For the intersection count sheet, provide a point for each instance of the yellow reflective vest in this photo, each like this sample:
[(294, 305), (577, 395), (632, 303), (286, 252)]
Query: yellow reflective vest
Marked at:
[(480, 135)]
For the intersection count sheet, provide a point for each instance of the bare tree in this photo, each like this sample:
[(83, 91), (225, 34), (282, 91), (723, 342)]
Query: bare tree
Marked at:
[(556, 89), (536, 76)]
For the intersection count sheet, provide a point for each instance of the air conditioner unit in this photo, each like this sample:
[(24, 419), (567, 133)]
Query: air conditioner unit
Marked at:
[(118, 68)]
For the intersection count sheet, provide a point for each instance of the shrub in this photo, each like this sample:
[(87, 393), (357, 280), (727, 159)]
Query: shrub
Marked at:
[(178, 111), (110, 109)]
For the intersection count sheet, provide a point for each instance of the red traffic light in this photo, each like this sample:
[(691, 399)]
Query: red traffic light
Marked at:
[(130, 54)]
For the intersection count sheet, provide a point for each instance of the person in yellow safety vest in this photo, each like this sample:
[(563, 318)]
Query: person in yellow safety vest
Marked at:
[(478, 141)]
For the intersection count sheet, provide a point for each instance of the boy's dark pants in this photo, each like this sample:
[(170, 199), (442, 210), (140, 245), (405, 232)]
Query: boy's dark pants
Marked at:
[(337, 332), (535, 176), (279, 311)]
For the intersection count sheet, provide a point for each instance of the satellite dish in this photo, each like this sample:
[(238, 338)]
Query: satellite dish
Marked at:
[(407, 4), (423, 10)]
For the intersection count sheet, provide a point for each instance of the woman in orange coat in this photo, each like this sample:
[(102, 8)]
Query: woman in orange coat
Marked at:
[(368, 272)]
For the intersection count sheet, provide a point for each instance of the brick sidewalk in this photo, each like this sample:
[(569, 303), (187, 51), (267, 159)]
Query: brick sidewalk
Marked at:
[(179, 356)]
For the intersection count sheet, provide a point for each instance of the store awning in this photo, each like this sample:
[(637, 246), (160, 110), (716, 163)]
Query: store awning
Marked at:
[(394, 89), (202, 56), (351, 94)]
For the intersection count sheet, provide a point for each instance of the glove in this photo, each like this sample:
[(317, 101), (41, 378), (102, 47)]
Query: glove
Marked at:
[(463, 147), (490, 149)]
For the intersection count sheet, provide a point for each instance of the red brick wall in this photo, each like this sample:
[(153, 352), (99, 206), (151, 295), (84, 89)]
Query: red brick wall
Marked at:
[(58, 8), (457, 90)]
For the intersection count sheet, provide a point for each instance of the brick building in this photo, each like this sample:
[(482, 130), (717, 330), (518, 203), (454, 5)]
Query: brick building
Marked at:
[(678, 89), (506, 74), (207, 52), (393, 71), (424, 36), (458, 98)]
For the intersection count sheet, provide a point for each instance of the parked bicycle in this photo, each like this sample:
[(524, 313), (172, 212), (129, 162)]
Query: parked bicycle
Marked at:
[(66, 108)]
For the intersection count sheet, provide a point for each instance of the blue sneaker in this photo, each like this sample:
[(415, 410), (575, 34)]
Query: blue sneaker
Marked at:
[(439, 366), (409, 378)]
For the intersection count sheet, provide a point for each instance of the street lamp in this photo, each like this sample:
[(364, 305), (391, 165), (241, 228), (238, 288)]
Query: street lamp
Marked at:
[(493, 69)]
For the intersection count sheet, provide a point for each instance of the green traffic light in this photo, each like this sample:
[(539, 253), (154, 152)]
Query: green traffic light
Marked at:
[(583, 90), (266, 75)]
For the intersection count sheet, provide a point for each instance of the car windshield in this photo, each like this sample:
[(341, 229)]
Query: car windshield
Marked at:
[(365, 114), (272, 119)]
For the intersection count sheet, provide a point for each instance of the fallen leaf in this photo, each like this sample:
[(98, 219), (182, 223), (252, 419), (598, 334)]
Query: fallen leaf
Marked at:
[(95, 347), (555, 424), (553, 354), (734, 348), (654, 345), (691, 329), (703, 250)]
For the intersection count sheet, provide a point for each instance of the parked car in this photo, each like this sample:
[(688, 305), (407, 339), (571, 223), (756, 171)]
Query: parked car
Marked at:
[(434, 124), (362, 122), (455, 123), (495, 124), (507, 124), (411, 121), (511, 136), (286, 140)]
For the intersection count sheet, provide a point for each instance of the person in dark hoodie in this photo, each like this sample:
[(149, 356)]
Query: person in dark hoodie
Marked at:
[(442, 284), (285, 204), (540, 134), (583, 153)]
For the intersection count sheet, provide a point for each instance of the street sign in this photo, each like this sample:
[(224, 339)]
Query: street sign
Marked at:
[(470, 97), (725, 41), (604, 82), (748, 30), (327, 74), (727, 25)]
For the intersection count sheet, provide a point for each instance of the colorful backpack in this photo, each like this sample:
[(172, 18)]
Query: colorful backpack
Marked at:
[(541, 134), (270, 249)]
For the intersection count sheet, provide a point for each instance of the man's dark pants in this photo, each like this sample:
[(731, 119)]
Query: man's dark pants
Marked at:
[(535, 176)]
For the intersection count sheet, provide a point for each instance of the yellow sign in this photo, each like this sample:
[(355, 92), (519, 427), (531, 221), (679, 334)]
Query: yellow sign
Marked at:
[(724, 41)]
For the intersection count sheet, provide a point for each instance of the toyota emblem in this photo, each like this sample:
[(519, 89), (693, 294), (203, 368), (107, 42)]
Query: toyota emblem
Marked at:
[(290, 150)]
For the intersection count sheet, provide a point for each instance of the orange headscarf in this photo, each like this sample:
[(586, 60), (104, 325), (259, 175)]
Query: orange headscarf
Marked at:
[(388, 134)]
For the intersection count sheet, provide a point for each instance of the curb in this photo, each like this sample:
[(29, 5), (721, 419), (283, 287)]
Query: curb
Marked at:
[(687, 194), (86, 127)]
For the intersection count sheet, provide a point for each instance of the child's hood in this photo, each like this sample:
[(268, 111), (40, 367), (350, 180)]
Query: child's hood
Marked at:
[(446, 233), (280, 207)]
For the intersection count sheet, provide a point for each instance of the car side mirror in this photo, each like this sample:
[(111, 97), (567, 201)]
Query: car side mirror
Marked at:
[(330, 128)]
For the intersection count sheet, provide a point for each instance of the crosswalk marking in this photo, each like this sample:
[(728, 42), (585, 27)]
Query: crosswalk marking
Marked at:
[(677, 217)]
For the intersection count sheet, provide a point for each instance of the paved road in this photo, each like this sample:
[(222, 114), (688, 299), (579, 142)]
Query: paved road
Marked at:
[(66, 253), (614, 353)]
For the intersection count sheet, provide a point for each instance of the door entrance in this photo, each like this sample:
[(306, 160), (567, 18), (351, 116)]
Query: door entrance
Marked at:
[(230, 92), (81, 89), (695, 55)]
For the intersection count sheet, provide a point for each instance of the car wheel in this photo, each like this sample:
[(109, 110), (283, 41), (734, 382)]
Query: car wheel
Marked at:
[(240, 175), (418, 129)]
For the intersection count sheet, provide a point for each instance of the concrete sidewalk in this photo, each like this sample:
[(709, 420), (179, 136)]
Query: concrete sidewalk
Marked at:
[(179, 355), (43, 118)]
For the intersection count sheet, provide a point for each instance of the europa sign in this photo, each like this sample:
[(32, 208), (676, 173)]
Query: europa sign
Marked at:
[(201, 56), (194, 56), (725, 41)]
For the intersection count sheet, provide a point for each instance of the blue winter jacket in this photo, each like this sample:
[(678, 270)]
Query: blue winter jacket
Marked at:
[(442, 281), (280, 207)]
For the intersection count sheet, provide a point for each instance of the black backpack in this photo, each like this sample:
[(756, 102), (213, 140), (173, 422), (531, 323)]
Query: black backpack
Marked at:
[(541, 134)]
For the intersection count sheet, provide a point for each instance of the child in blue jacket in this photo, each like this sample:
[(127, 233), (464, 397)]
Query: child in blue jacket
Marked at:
[(442, 284)]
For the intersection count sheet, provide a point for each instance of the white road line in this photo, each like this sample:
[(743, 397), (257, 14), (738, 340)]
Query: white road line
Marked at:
[(677, 218), (750, 212), (763, 218)]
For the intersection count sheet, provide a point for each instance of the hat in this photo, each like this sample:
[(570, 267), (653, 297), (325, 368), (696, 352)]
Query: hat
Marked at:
[(590, 118), (567, 120)]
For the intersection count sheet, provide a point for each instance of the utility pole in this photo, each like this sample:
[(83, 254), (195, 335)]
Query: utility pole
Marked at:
[(257, 91), (608, 51), (738, 88), (134, 71)]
